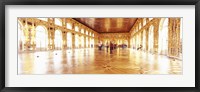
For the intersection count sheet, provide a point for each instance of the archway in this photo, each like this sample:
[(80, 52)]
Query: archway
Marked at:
[(150, 39), (69, 40), (58, 40), (41, 38), (163, 36)]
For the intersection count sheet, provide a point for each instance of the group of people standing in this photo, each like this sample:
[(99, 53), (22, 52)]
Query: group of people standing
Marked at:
[(111, 46)]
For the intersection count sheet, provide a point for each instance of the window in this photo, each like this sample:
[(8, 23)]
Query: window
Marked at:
[(77, 41), (69, 40), (69, 26), (163, 36), (58, 21), (76, 29), (41, 38), (86, 32), (82, 31), (150, 39), (58, 39)]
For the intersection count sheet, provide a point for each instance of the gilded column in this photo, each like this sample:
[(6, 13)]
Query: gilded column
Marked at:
[(141, 39), (84, 40), (155, 36), (52, 38), (174, 37), (178, 47), (147, 39), (64, 46), (73, 36)]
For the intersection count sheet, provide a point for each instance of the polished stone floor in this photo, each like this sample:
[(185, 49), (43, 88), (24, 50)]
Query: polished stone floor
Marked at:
[(93, 61)]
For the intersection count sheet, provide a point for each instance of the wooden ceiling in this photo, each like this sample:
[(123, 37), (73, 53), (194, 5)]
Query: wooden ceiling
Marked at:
[(108, 25)]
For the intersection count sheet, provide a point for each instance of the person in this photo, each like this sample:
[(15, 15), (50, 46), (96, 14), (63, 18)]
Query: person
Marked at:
[(139, 47), (111, 47), (107, 46), (99, 46)]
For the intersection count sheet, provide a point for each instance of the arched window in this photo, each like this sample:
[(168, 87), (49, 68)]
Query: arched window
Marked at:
[(58, 21), (69, 26), (82, 31), (163, 36), (90, 34), (41, 38), (76, 41), (150, 39), (86, 32), (76, 28), (93, 35), (58, 40), (82, 41), (69, 40)]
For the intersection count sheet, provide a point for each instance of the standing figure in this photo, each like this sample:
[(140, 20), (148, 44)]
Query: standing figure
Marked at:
[(111, 47), (99, 46), (107, 46)]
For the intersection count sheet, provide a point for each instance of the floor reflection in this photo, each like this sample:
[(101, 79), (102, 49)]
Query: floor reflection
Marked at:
[(93, 61)]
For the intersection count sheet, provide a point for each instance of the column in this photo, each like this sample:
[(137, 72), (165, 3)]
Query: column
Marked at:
[(174, 37), (52, 39), (64, 33), (73, 35), (141, 39), (147, 38), (84, 41), (66, 40), (178, 20), (73, 41), (128, 39), (155, 36)]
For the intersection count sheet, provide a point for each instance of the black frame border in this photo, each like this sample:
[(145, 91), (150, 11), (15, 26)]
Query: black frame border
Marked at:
[(3, 3)]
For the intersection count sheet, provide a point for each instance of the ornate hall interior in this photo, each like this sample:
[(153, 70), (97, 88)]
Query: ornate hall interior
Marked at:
[(99, 45)]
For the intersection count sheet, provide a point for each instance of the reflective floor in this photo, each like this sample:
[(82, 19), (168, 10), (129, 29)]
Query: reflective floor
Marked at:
[(93, 61)]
